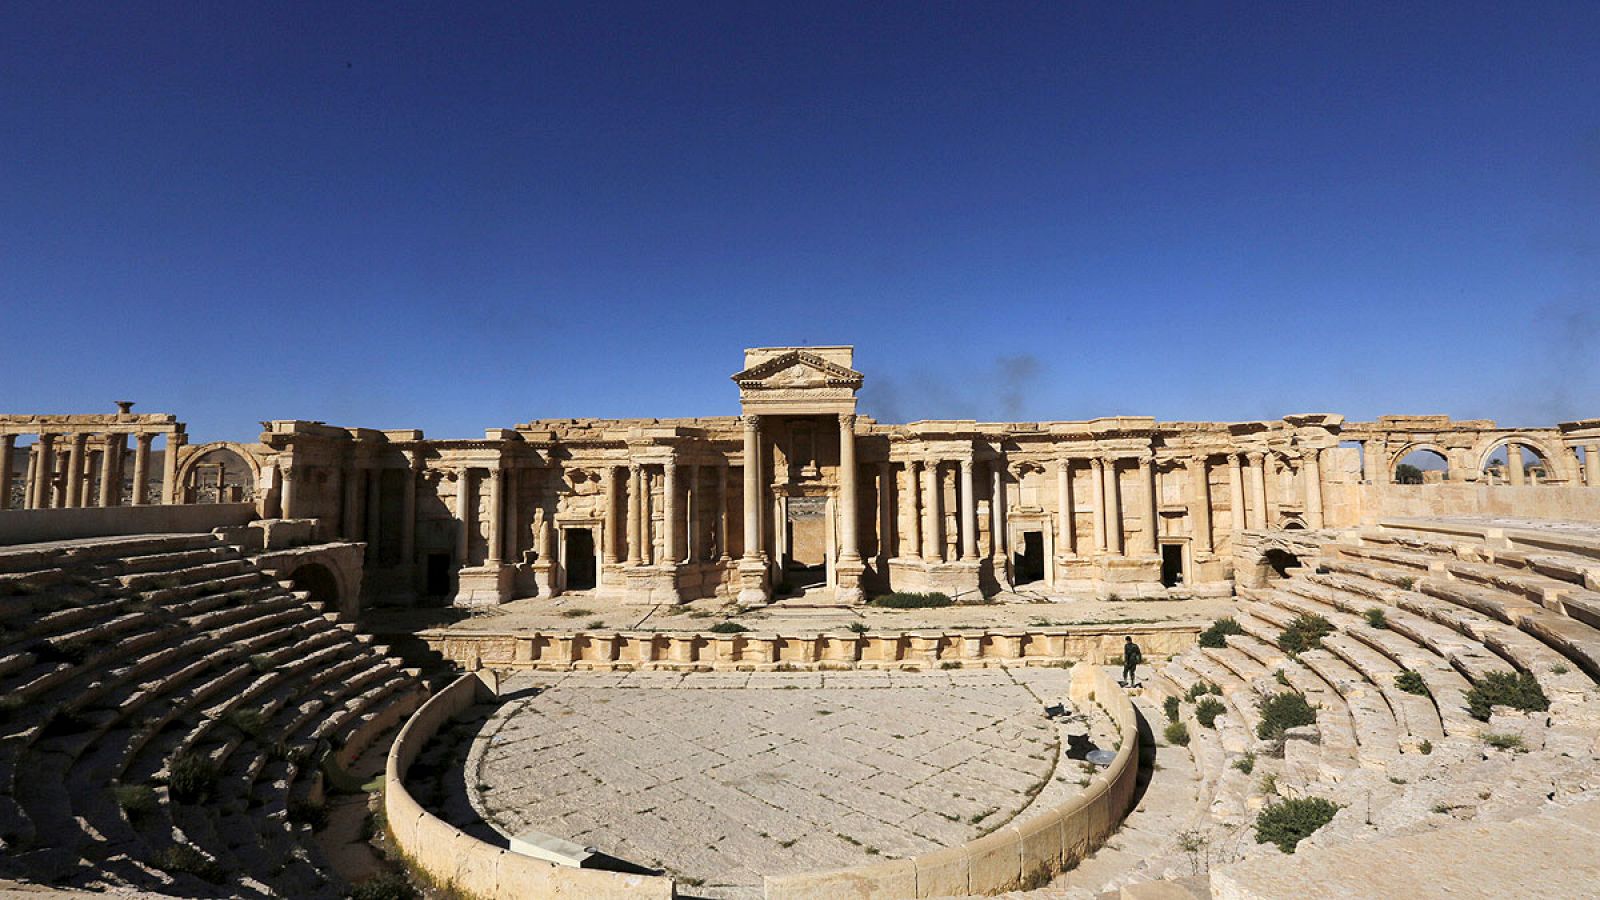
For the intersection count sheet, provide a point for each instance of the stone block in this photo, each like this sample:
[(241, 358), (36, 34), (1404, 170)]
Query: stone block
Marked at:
[(944, 873)]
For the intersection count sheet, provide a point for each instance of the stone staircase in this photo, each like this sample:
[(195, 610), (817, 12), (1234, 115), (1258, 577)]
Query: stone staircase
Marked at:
[(1452, 608), (165, 708)]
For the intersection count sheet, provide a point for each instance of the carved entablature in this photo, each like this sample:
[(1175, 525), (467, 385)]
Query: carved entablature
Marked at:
[(798, 381)]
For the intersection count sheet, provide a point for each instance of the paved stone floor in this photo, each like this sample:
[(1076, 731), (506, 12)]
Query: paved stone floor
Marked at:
[(721, 777)]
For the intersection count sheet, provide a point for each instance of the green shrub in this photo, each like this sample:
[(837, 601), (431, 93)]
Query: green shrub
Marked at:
[(1289, 822), (1504, 741), (858, 627), (1426, 747), (1280, 712), (1412, 683), (250, 722), (1377, 618), (1246, 763), (191, 777), (1207, 710), (1406, 582), (307, 812), (1177, 734), (261, 662), (1170, 707), (184, 859), (1201, 688), (1518, 690), (912, 600), (388, 886), (1305, 632), (577, 612), (1217, 634), (1279, 677), (136, 800), (727, 628)]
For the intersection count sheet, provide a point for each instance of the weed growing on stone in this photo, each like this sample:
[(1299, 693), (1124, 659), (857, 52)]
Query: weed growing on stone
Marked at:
[(577, 612), (1246, 763), (1377, 618), (1411, 682), (1518, 690), (1177, 734), (1170, 706), (1504, 741), (1217, 634), (1289, 822), (1305, 632), (1207, 710), (1281, 712)]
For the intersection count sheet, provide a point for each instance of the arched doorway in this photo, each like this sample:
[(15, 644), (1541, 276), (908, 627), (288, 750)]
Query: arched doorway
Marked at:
[(1516, 463), (218, 474), (1275, 564), (320, 583), (1423, 465)]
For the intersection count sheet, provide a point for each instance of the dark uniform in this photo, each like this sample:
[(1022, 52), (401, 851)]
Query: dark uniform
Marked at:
[(1131, 657)]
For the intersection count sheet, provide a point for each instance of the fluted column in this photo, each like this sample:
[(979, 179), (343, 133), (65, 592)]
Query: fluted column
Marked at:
[(669, 513), (494, 553), (969, 514), (886, 498), (1098, 489), (635, 485), (914, 509), (464, 514), (373, 532), (43, 469), (997, 510), (141, 468), (1066, 540), (1199, 503), (8, 449), (1258, 489), (1236, 492), (850, 509), (1113, 509), (1151, 533), (408, 511), (722, 511), (75, 470), (933, 505), (752, 488), (1312, 471)]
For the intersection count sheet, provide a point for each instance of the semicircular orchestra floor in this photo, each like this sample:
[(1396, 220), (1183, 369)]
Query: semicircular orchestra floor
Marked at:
[(719, 778)]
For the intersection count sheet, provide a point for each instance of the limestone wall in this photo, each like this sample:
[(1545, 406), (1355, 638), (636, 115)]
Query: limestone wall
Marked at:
[(28, 526), (464, 863), (1380, 501), (1017, 855), (753, 651)]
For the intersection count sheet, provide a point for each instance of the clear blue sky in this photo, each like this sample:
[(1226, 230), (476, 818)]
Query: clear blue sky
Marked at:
[(459, 216)]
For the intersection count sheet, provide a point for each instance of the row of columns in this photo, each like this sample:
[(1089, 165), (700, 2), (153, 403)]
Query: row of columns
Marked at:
[(61, 474), (685, 536)]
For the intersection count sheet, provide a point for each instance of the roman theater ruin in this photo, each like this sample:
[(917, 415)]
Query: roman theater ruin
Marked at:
[(800, 653)]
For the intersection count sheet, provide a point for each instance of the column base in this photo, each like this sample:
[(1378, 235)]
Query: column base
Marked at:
[(484, 585), (847, 576), (753, 585)]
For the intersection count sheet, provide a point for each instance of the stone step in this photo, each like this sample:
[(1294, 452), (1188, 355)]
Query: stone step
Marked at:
[(1376, 732), (1414, 714)]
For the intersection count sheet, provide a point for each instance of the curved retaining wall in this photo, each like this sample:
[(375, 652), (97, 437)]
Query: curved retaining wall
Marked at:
[(756, 651), (472, 867), (1019, 854)]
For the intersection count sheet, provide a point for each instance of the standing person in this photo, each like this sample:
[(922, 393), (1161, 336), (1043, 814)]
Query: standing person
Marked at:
[(1131, 657)]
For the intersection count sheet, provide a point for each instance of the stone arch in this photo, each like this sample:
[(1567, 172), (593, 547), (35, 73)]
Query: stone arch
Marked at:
[(1275, 564), (194, 454), (321, 583), (1293, 522), (1552, 459), (1399, 456)]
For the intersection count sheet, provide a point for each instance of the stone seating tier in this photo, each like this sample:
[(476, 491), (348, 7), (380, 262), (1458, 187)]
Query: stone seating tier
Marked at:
[(120, 656)]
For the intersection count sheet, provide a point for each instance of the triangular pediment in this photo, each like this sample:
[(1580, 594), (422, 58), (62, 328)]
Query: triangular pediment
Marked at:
[(798, 369)]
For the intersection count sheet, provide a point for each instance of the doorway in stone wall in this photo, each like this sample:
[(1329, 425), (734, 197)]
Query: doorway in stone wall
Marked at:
[(579, 558), (436, 581), (1171, 565), (805, 555), (1028, 563)]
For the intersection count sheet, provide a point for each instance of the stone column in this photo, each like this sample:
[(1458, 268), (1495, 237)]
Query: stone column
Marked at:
[(1098, 472), (92, 464), (141, 468), (752, 488), (850, 545), (408, 513), (373, 533), (111, 470), (886, 535), (694, 543), (169, 468), (1312, 470), (1199, 503), (1258, 489), (1375, 460), (1236, 493), (933, 505), (669, 513), (969, 514), (464, 514), (722, 511), (997, 511), (1150, 536), (43, 469), (608, 526), (494, 552), (914, 520), (75, 470), (1591, 465), (635, 485), (355, 504), (8, 449), (1514, 469), (1066, 539), (1113, 509), (647, 537), (30, 478)]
